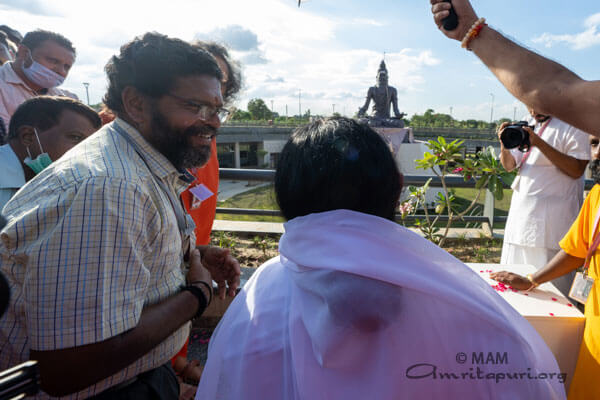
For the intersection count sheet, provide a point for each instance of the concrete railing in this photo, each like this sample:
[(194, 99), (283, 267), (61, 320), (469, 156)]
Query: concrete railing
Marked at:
[(268, 175)]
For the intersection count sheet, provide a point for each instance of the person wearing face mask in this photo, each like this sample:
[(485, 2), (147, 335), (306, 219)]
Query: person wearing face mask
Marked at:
[(41, 130), (42, 63)]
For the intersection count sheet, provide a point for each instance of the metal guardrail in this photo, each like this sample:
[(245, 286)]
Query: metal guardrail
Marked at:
[(268, 175)]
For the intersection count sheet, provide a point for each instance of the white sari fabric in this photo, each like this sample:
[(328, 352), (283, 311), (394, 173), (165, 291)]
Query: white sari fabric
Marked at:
[(358, 307)]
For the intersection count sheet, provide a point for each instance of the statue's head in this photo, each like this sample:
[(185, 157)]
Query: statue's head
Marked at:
[(382, 74)]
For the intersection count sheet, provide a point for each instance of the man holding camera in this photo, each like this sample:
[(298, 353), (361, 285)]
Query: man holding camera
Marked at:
[(547, 192)]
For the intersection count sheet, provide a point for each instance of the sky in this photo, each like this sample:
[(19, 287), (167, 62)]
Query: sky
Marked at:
[(324, 55)]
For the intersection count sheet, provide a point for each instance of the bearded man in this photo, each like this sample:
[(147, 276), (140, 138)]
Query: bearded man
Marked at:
[(95, 244)]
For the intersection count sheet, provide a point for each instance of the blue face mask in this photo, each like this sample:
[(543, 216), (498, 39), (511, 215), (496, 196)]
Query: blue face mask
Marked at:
[(40, 162), (42, 76)]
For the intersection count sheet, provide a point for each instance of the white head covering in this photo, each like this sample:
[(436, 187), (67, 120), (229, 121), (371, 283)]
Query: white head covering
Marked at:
[(351, 308)]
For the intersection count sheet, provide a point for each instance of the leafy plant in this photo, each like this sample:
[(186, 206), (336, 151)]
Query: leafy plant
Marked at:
[(224, 240), (445, 158)]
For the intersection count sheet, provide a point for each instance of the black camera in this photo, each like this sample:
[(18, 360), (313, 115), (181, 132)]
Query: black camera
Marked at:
[(514, 136)]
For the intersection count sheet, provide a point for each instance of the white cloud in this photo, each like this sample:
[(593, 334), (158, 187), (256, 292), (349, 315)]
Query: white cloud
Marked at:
[(33, 7), (583, 40), (366, 21), (283, 48)]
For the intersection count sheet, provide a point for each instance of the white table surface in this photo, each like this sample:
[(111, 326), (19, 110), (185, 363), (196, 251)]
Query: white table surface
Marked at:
[(555, 317)]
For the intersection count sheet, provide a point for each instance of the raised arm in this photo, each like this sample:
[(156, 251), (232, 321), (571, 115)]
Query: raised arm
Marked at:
[(538, 82)]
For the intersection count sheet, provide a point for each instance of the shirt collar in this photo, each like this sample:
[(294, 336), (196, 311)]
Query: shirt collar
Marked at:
[(157, 162), (10, 76), (13, 175)]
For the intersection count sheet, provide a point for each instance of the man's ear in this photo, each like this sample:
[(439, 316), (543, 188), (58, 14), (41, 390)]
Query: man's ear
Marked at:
[(135, 105), (23, 55), (26, 135)]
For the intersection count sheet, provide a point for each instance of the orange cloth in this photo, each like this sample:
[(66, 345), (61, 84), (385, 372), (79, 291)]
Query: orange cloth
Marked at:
[(575, 243), (204, 214)]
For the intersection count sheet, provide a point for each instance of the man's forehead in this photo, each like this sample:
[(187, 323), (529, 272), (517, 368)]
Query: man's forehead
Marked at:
[(51, 47), (198, 87)]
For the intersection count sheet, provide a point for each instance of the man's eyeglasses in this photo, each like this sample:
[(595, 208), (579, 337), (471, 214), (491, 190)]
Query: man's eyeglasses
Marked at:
[(202, 110)]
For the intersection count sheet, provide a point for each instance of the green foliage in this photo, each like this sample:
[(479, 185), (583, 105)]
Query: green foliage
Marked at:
[(241, 115), (445, 158), (258, 110), (225, 240), (438, 120), (264, 244)]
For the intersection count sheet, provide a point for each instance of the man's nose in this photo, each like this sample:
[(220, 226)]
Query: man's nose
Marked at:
[(62, 71), (212, 121), (596, 152)]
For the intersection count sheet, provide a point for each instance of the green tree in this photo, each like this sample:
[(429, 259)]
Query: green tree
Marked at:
[(241, 115), (259, 110)]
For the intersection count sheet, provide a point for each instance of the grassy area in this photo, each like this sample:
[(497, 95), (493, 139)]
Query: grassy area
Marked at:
[(264, 198)]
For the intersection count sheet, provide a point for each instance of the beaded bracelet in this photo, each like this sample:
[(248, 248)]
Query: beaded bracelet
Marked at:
[(473, 33)]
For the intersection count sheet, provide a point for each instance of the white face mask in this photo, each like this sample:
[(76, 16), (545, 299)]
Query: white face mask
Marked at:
[(42, 76)]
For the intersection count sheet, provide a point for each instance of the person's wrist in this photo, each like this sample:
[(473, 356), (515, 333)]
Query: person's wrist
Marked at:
[(200, 296), (205, 287), (532, 281)]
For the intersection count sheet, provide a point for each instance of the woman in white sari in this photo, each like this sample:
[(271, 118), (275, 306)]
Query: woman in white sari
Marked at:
[(358, 307)]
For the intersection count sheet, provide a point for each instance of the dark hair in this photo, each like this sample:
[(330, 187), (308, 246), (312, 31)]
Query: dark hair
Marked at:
[(337, 163), (13, 35), (43, 112), (3, 38), (234, 74), (151, 64), (34, 39)]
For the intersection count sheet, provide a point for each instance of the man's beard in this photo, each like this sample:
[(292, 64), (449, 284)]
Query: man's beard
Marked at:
[(541, 118), (595, 170), (174, 143)]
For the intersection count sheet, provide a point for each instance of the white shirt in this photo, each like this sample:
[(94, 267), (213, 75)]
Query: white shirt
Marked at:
[(12, 177), (546, 201)]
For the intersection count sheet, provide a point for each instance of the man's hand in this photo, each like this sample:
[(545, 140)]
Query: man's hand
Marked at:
[(198, 272), (464, 11), (506, 158), (516, 281), (499, 132), (534, 139), (223, 267)]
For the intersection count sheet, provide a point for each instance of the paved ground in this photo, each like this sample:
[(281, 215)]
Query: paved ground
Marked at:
[(228, 189)]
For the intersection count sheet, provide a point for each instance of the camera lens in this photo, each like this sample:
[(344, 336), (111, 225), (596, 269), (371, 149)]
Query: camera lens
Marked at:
[(512, 137)]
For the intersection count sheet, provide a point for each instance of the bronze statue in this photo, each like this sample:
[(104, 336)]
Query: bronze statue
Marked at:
[(382, 95)]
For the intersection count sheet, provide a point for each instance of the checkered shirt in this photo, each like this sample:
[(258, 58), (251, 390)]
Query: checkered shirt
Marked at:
[(89, 242)]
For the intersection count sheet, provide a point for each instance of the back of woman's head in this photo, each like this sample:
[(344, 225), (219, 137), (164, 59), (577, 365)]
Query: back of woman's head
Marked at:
[(337, 163)]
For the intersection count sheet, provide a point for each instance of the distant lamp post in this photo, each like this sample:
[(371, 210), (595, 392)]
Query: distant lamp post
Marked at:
[(299, 103), (333, 109), (87, 92), (492, 109)]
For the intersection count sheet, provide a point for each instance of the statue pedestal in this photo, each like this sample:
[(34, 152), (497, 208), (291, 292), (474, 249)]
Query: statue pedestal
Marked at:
[(406, 150)]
